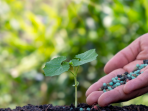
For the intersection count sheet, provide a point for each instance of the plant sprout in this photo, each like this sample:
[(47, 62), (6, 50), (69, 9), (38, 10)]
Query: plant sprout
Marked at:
[(58, 66)]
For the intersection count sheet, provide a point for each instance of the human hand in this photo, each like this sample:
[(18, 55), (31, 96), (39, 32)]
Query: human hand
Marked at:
[(123, 61)]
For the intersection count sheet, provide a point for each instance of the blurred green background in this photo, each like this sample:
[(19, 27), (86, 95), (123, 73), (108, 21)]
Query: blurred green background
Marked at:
[(35, 31)]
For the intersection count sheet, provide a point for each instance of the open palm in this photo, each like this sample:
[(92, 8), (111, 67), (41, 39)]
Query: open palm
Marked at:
[(123, 61)]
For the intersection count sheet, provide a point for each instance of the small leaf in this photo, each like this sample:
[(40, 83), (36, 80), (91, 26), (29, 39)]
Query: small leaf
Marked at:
[(56, 66), (76, 84), (70, 63), (85, 57)]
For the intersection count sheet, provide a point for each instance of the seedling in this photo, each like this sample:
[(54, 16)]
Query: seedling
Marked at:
[(58, 66)]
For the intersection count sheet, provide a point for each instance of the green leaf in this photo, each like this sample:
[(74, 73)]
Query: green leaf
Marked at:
[(56, 66), (85, 57)]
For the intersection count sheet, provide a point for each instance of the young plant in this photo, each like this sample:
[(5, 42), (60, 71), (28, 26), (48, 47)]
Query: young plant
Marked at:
[(58, 65)]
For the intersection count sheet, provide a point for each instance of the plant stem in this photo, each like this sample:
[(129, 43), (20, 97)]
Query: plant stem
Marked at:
[(77, 69), (72, 73), (75, 92)]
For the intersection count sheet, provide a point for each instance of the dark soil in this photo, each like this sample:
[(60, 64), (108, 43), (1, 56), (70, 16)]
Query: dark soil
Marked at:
[(49, 107)]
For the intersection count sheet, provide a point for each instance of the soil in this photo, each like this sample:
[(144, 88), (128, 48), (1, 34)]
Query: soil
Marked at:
[(49, 107)]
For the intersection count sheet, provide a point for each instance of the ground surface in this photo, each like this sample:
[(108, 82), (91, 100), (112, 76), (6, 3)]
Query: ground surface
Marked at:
[(81, 107)]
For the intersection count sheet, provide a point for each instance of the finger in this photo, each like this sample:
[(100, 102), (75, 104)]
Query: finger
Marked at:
[(144, 47), (93, 97), (136, 50), (130, 67), (137, 83), (117, 95), (105, 79), (111, 96), (123, 57)]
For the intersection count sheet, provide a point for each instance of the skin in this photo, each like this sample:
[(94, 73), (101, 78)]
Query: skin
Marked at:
[(123, 61)]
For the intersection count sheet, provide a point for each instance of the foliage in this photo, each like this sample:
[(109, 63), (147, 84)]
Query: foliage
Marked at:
[(56, 66), (34, 31)]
